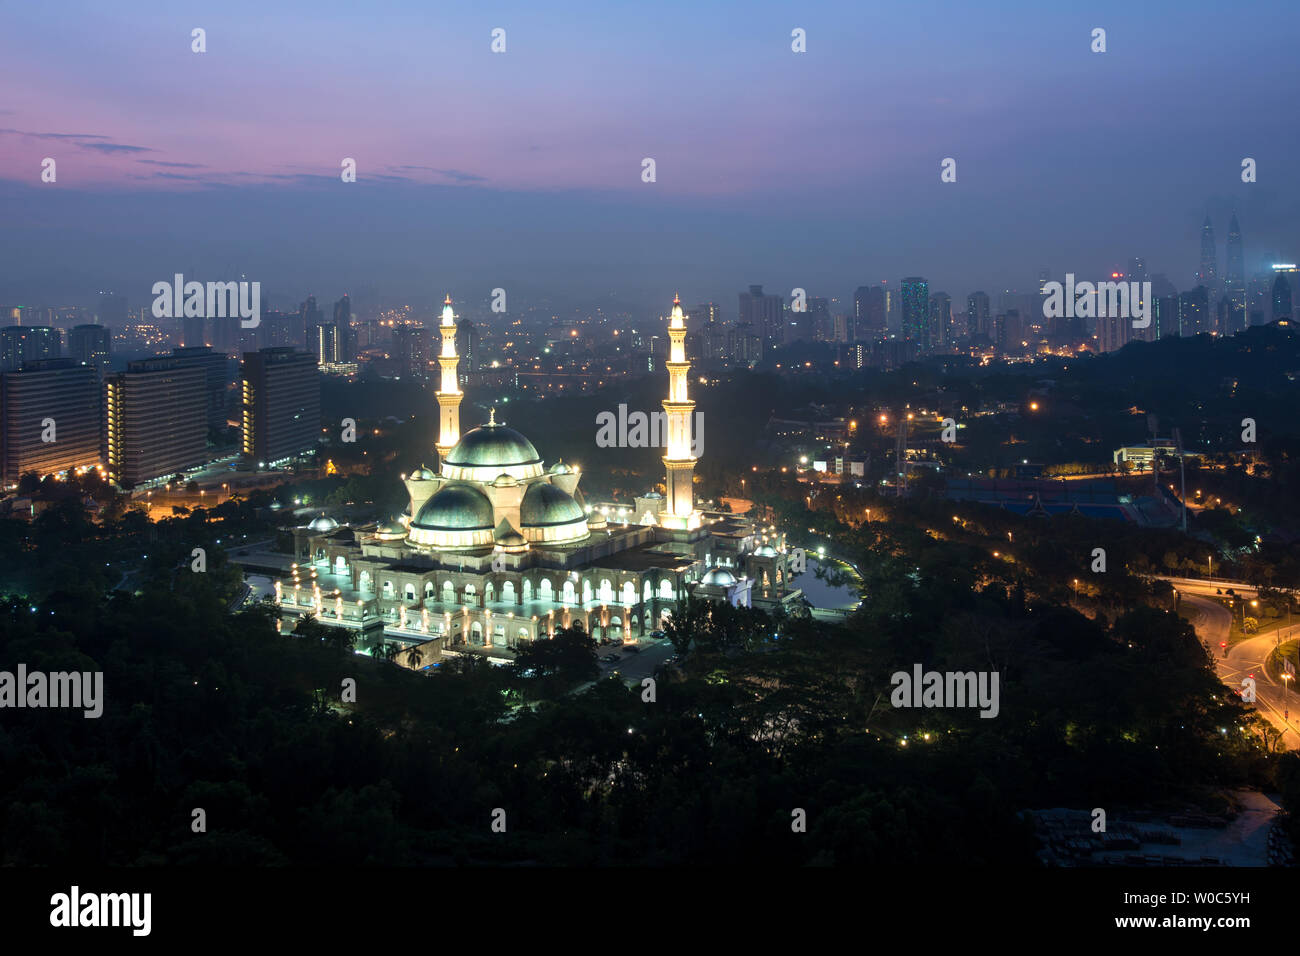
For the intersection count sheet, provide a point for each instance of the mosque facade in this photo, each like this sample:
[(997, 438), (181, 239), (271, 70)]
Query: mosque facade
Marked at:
[(496, 548)]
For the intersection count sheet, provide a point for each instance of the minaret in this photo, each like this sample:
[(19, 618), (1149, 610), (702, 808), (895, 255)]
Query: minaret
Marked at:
[(679, 510), (449, 394)]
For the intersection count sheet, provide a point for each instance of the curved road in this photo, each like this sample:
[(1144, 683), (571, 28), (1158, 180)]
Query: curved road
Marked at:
[(1246, 659)]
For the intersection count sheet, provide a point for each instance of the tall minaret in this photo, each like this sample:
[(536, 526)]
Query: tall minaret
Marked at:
[(679, 510), (449, 395)]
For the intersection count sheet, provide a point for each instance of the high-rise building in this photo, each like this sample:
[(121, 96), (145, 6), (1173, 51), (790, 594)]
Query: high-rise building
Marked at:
[(1194, 311), (1208, 274), (1281, 298), (20, 344), (112, 310), (941, 329), (764, 313), (1164, 315), (1234, 280), (216, 378), (50, 416), (326, 345), (467, 344), (347, 348), (707, 313), (1137, 270), (869, 313), (411, 351), (977, 314), (308, 315), (194, 332), (90, 345), (1113, 332), (156, 421), (280, 405), (916, 311)]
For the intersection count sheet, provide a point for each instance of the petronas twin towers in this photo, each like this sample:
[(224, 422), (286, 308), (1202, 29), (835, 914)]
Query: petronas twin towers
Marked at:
[(1208, 274)]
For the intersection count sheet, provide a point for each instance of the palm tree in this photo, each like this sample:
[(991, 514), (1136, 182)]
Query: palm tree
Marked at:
[(391, 651), (380, 649), (414, 657)]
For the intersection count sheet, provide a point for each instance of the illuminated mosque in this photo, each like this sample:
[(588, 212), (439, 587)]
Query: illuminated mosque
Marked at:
[(496, 548)]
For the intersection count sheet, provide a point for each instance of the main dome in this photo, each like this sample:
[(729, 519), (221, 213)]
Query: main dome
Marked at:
[(491, 450)]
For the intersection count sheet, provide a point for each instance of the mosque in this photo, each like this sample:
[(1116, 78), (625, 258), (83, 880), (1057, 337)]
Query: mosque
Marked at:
[(496, 548)]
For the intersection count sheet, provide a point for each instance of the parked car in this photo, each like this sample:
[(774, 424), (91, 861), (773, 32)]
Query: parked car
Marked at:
[(632, 648)]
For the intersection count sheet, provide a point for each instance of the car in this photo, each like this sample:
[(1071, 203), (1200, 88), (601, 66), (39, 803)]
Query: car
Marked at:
[(659, 634), (632, 648)]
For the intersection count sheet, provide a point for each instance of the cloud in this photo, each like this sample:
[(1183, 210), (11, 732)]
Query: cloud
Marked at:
[(159, 162), (454, 174), (93, 141), (116, 148)]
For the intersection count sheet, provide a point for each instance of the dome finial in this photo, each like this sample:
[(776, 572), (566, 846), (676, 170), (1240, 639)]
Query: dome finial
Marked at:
[(492, 415)]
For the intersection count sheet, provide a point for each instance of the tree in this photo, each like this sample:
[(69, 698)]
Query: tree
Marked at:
[(414, 658), (569, 656)]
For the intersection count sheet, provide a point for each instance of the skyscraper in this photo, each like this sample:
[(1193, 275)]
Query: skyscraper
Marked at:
[(27, 343), (343, 323), (90, 345), (280, 397), (977, 314), (467, 344), (156, 421), (869, 315), (1194, 311), (112, 310), (764, 313), (308, 316), (50, 415), (1234, 284), (1208, 274), (941, 319), (916, 311), (1281, 298), (216, 377)]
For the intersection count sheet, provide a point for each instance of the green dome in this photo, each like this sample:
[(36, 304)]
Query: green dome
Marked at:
[(765, 551), (423, 474), (456, 507), (545, 505), (492, 446)]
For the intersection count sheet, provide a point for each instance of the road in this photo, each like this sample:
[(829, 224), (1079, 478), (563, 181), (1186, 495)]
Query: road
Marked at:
[(1245, 659)]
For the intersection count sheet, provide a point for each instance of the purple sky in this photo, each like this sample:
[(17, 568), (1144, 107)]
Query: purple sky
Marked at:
[(523, 169)]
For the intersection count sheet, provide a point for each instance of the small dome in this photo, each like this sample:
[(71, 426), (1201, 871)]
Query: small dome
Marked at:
[(505, 481), (719, 577), (322, 524), (652, 495), (456, 507), (422, 474), (390, 529), (765, 551), (545, 505), (560, 468), (276, 506), (596, 521)]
